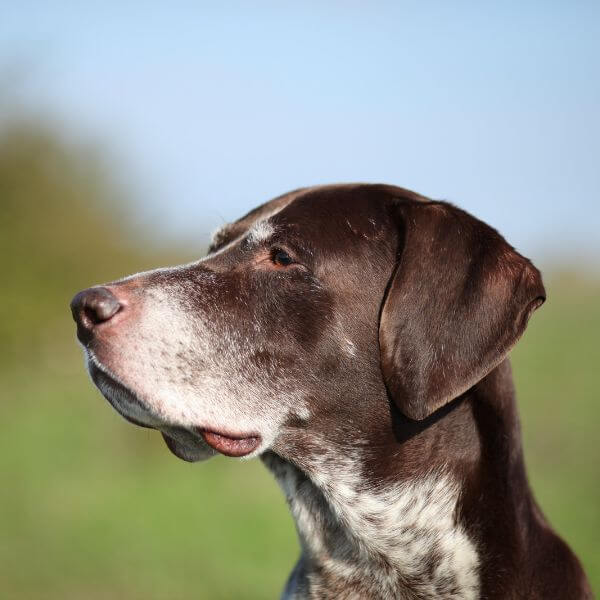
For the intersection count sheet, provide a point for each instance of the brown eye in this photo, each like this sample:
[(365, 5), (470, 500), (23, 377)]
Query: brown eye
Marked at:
[(281, 258)]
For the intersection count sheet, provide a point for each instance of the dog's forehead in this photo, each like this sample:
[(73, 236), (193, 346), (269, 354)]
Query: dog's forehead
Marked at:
[(257, 216), (323, 213), (336, 219)]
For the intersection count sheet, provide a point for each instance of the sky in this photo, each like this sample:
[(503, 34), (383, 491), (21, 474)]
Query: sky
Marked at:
[(213, 108)]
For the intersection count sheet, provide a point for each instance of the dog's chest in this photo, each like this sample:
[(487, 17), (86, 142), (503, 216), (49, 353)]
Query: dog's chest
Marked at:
[(398, 542)]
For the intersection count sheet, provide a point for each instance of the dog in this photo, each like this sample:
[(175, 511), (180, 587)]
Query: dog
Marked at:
[(355, 338)]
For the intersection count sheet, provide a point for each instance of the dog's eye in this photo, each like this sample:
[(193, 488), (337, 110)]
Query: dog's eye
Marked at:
[(281, 258)]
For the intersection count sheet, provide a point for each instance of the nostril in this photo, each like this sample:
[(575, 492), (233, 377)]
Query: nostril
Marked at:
[(102, 308), (93, 306)]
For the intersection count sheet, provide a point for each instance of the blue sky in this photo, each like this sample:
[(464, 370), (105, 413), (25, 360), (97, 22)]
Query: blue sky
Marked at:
[(211, 108)]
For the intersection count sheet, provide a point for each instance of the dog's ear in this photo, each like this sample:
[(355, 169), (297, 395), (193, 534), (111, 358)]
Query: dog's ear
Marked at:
[(458, 300)]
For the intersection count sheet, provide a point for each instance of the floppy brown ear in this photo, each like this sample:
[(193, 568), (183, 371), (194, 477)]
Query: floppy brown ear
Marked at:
[(458, 301)]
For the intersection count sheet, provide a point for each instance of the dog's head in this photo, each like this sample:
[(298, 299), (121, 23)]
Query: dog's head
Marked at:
[(311, 310)]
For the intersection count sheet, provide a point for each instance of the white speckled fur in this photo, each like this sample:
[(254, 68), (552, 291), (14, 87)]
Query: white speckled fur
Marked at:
[(260, 232), (387, 539)]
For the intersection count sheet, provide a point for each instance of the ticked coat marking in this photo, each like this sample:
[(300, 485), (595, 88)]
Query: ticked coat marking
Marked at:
[(401, 542)]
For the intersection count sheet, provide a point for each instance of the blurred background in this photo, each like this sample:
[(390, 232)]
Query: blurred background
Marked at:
[(128, 131)]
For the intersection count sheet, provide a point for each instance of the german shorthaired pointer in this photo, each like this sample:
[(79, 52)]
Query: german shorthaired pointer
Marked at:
[(355, 338)]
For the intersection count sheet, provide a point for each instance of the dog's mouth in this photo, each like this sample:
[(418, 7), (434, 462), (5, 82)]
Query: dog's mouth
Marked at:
[(120, 397), (189, 444), (230, 445)]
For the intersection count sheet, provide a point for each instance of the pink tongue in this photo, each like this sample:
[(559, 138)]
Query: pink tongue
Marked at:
[(230, 446)]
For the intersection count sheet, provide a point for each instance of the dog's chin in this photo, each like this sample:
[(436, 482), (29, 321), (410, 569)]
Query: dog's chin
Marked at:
[(181, 442), (186, 446)]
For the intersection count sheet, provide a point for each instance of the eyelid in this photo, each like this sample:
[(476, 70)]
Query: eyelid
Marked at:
[(276, 248), (296, 260), (294, 250)]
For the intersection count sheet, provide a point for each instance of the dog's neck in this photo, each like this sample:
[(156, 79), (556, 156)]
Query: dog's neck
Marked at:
[(387, 517), (391, 541)]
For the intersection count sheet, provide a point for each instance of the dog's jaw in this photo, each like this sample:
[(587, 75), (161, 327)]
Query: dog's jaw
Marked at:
[(187, 445)]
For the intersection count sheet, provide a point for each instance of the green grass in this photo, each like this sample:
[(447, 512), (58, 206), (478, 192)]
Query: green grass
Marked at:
[(93, 507), (556, 368)]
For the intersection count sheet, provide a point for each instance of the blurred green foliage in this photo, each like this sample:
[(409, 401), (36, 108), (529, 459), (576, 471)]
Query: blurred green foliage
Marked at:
[(94, 508)]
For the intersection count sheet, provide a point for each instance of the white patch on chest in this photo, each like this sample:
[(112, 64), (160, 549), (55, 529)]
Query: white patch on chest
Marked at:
[(401, 541)]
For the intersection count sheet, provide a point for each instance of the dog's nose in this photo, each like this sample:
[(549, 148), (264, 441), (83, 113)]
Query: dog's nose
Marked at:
[(92, 307)]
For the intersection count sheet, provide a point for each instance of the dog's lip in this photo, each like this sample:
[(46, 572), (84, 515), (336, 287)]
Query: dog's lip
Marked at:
[(98, 375), (229, 444)]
